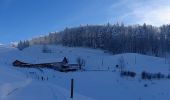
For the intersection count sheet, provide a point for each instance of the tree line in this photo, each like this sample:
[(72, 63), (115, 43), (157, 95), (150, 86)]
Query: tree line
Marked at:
[(116, 38)]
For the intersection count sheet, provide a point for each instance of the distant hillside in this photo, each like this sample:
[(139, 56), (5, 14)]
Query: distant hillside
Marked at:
[(117, 38)]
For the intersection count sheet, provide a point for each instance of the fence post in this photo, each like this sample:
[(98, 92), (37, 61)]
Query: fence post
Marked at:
[(72, 88)]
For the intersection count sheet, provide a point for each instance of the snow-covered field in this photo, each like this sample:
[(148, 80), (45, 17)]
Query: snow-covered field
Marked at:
[(105, 84)]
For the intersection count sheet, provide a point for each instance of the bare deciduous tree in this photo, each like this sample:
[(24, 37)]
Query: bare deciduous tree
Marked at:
[(80, 62)]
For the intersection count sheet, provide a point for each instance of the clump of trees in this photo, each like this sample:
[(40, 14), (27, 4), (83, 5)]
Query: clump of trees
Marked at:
[(23, 44), (117, 38)]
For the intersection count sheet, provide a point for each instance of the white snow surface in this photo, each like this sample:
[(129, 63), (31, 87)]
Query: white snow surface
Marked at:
[(102, 81)]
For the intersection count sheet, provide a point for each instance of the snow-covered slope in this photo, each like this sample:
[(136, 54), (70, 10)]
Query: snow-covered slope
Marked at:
[(104, 84)]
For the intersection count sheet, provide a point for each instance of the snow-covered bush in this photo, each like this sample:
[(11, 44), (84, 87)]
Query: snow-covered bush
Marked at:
[(168, 76), (149, 76), (145, 85), (128, 73)]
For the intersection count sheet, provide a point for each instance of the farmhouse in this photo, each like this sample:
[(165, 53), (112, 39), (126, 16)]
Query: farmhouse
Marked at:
[(62, 66)]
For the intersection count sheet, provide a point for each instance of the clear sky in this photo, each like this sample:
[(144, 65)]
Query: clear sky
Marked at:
[(24, 19)]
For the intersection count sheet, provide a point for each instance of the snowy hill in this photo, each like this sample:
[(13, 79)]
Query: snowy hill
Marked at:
[(103, 84)]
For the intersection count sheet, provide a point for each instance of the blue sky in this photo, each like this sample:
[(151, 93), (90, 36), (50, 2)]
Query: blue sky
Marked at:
[(24, 19)]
